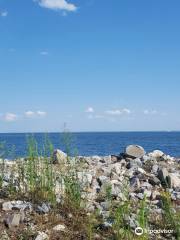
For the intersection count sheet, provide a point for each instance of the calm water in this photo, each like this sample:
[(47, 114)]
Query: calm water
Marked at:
[(104, 143)]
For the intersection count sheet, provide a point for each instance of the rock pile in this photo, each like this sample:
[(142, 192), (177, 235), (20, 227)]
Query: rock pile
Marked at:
[(131, 175)]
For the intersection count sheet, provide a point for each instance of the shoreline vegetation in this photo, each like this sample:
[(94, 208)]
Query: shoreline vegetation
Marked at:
[(51, 194)]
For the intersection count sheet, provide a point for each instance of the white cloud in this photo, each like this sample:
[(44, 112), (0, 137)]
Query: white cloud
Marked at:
[(57, 5), (90, 110), (3, 13), (44, 53), (126, 110), (117, 112), (32, 114), (29, 114), (10, 117), (41, 113)]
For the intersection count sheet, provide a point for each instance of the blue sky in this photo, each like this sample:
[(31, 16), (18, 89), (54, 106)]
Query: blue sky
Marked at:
[(98, 65)]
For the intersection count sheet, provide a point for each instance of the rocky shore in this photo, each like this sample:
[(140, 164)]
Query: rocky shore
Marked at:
[(106, 184)]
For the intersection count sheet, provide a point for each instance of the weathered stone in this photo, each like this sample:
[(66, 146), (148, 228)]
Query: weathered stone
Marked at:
[(13, 220), (44, 208), (106, 205), (117, 168), (20, 205), (103, 180), (134, 182), (59, 157), (175, 180), (4, 236), (42, 236), (153, 180), (164, 177), (59, 228), (135, 151), (155, 169), (157, 154), (7, 206), (140, 196), (85, 178)]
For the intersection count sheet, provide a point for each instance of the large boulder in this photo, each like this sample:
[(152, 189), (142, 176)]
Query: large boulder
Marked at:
[(59, 156), (135, 151)]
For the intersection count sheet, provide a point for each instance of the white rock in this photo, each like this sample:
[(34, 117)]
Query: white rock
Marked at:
[(117, 168), (59, 228), (103, 179), (7, 206), (156, 154), (42, 236), (175, 180), (85, 177), (59, 156)]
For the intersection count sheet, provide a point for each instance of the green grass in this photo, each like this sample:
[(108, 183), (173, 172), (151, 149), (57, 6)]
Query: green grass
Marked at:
[(171, 218)]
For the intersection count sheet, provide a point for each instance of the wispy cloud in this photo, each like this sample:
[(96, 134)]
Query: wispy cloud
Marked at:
[(117, 112), (3, 13), (89, 110), (113, 112), (126, 110), (91, 116), (150, 112), (41, 113), (32, 114), (63, 5), (10, 117)]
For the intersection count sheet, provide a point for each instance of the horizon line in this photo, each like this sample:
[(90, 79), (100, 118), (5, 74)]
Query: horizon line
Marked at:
[(122, 131)]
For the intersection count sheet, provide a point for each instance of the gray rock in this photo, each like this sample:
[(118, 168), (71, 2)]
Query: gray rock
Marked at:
[(135, 151), (140, 196), (20, 205), (13, 220), (135, 163), (155, 169), (134, 182), (103, 180), (153, 180), (44, 208), (105, 205), (164, 177)]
